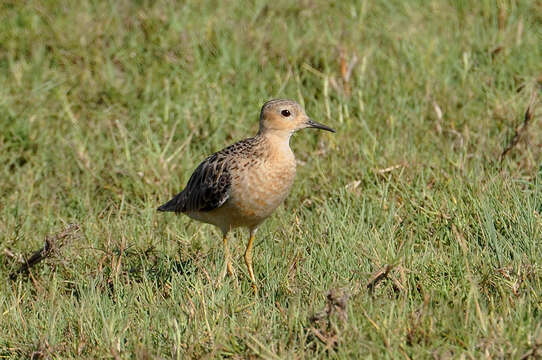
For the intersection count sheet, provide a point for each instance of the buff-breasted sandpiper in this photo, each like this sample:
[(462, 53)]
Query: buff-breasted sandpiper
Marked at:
[(241, 185)]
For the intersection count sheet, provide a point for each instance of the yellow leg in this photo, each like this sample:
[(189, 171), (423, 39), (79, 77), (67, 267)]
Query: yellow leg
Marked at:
[(227, 259), (248, 260)]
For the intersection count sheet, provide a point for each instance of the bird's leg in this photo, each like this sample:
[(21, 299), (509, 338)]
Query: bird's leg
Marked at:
[(248, 259), (227, 256), (227, 259)]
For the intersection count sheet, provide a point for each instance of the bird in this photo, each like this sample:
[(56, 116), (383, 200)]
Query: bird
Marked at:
[(242, 184)]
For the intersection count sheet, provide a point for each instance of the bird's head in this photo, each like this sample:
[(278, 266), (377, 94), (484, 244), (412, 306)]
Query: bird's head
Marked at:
[(286, 116)]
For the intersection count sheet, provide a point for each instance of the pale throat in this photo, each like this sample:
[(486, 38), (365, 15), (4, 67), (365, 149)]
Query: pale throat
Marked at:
[(278, 139)]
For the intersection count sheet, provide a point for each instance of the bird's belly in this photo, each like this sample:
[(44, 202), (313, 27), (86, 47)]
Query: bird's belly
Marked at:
[(257, 193)]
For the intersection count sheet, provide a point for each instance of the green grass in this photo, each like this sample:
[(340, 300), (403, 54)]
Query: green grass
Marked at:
[(107, 106)]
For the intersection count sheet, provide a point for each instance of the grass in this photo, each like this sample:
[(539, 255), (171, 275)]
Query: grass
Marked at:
[(427, 244)]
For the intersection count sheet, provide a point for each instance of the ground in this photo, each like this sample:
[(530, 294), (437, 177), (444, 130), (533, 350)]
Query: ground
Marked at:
[(413, 232)]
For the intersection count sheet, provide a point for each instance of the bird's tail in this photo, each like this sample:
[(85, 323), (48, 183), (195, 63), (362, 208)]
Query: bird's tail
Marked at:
[(171, 205)]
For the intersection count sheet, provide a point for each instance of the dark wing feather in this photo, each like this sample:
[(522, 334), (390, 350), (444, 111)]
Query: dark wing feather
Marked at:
[(207, 189)]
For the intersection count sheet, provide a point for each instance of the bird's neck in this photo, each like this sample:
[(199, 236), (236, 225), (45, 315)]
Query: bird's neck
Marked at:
[(277, 138), (278, 141)]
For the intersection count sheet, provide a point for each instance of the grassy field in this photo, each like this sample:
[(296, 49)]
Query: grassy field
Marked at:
[(406, 235)]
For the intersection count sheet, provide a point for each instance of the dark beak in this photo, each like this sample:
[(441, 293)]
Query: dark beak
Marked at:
[(314, 124)]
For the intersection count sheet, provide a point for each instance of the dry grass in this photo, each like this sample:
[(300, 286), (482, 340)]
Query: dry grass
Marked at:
[(430, 237)]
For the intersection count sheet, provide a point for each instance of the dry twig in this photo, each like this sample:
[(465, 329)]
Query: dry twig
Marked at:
[(378, 276), (324, 329), (521, 129), (52, 244)]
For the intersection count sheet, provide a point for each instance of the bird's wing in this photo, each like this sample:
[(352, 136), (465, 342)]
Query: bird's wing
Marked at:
[(207, 189)]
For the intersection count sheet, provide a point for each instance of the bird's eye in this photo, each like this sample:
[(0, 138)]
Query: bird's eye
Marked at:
[(285, 113)]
